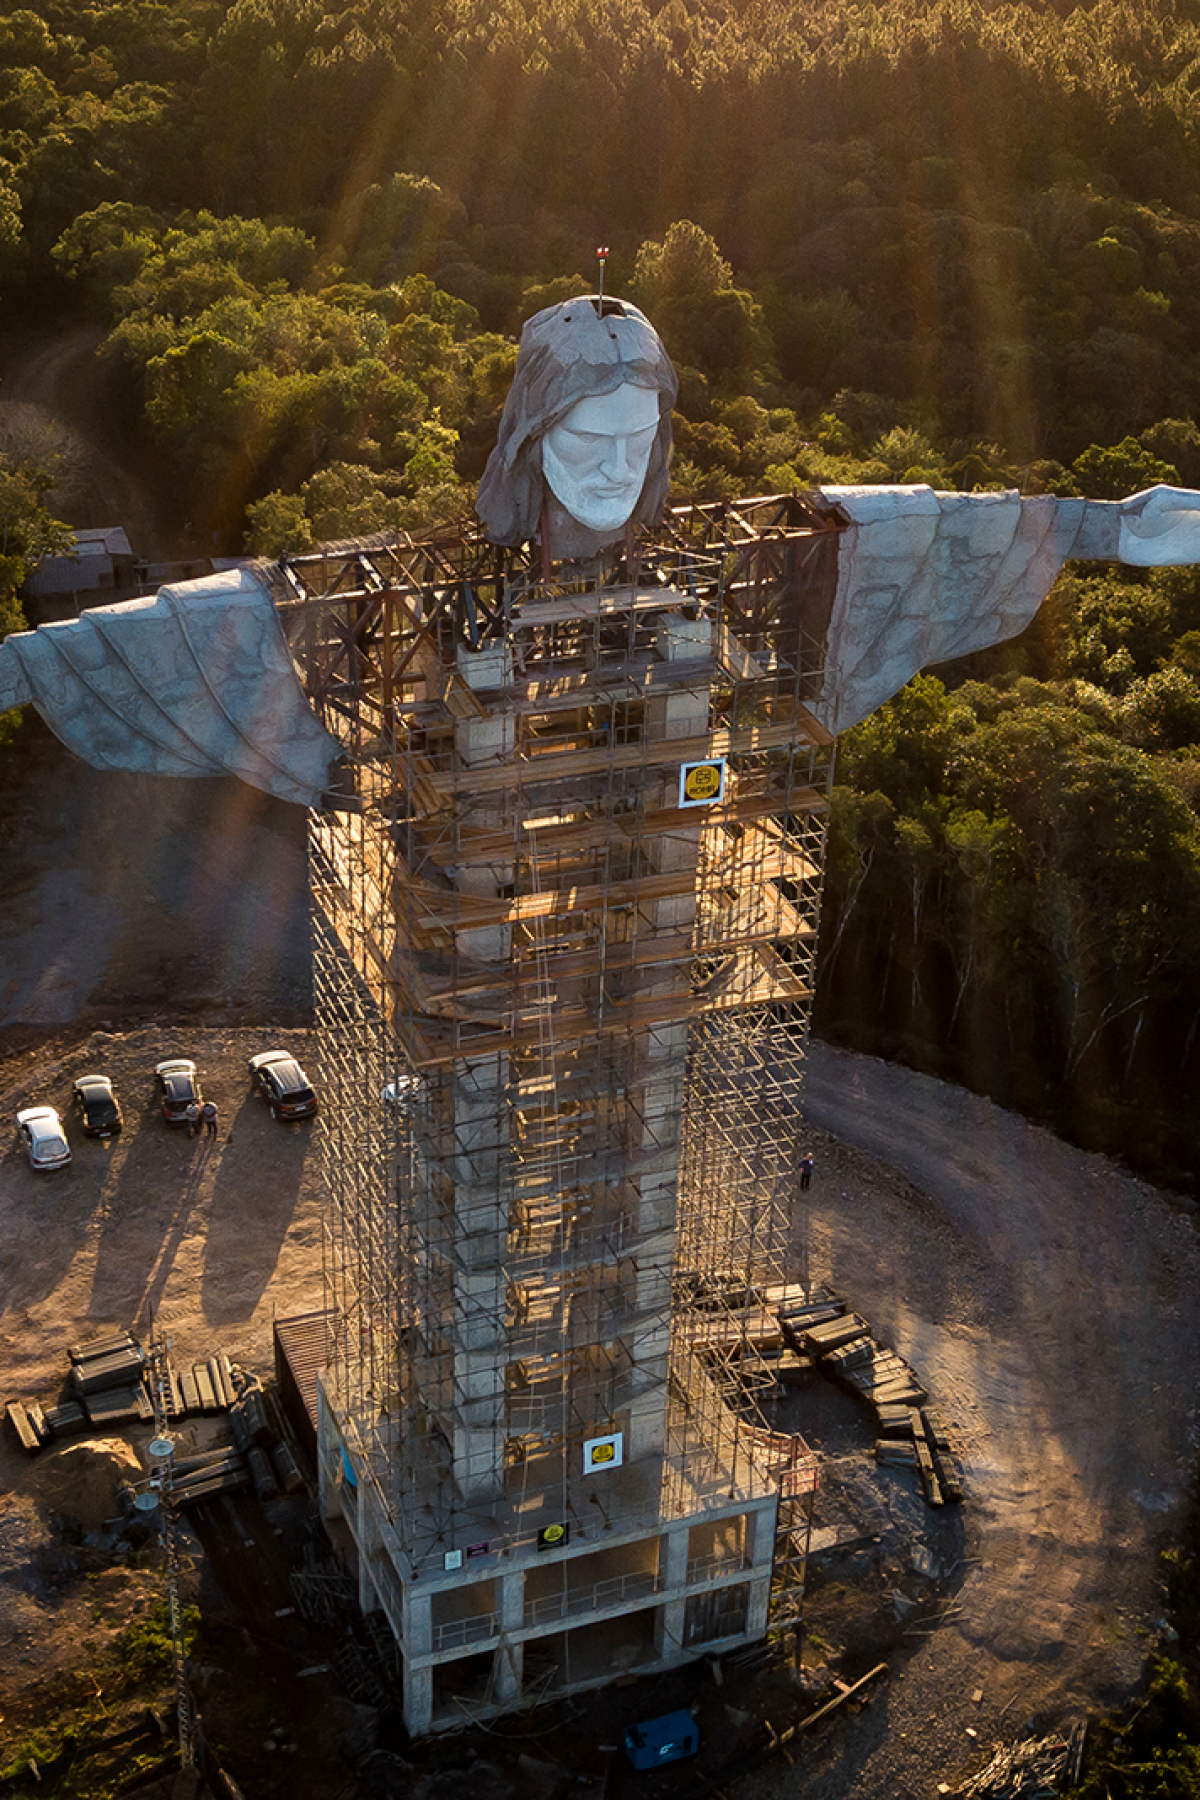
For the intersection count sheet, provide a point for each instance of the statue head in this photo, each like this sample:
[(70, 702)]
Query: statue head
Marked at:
[(585, 437)]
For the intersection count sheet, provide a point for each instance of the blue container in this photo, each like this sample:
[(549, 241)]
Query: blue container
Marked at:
[(666, 1739)]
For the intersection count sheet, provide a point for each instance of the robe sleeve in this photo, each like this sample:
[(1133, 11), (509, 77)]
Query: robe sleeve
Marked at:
[(195, 680)]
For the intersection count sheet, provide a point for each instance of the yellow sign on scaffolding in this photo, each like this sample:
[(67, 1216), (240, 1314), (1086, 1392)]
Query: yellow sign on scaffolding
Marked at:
[(604, 1452), (702, 783)]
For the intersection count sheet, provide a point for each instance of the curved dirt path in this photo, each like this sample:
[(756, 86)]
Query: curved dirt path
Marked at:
[(1048, 1299), (60, 389)]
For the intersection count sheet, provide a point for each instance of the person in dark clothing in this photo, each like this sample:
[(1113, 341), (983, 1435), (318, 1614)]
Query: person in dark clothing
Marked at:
[(208, 1112), (806, 1169)]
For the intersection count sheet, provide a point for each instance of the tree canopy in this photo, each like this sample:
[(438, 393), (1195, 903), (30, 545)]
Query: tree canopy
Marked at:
[(954, 241)]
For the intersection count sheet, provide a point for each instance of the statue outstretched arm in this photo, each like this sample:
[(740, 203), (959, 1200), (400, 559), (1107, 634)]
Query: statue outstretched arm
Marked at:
[(197, 679), (924, 577)]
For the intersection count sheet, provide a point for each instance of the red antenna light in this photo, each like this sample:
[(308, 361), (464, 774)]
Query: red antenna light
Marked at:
[(602, 258)]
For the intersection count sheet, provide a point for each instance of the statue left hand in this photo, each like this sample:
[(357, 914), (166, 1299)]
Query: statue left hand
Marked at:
[(1160, 527)]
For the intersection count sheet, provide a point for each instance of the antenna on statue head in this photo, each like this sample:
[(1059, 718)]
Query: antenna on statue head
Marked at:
[(601, 258)]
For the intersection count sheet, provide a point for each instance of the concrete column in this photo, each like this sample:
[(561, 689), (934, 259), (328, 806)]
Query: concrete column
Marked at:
[(508, 1671), (669, 1617), (368, 1540), (480, 1166), (418, 1699), (508, 1667), (760, 1554), (329, 1454), (417, 1621), (680, 713), (481, 1174)]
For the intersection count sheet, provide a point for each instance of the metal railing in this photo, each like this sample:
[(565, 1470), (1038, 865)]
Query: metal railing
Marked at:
[(616, 1591)]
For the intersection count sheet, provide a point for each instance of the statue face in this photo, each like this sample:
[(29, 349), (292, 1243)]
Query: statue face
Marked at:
[(595, 459)]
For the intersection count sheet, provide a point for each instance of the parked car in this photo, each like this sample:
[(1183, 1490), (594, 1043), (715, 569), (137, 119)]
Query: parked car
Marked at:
[(41, 1132), (285, 1087), (97, 1106), (179, 1088)]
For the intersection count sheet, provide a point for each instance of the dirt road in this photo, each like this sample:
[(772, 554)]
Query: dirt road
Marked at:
[(58, 394), (1049, 1301)]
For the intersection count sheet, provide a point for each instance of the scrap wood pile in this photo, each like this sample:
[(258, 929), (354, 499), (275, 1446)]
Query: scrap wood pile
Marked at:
[(109, 1381), (1037, 1769)]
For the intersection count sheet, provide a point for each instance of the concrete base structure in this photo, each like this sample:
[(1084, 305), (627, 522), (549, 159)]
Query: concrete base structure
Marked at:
[(516, 1628)]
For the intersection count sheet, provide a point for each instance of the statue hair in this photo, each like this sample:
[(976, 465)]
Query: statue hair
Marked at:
[(569, 353)]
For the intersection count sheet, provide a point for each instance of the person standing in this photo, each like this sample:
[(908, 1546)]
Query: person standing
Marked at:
[(192, 1115), (208, 1112), (806, 1169)]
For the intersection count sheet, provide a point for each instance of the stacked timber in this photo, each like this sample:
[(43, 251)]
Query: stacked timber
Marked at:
[(798, 1310), (29, 1423), (109, 1377), (262, 1474), (119, 1406), (929, 1449), (944, 1451), (834, 1334), (105, 1365), (787, 1365), (287, 1469), (894, 1453), (821, 1330), (106, 1376), (885, 1379), (248, 1419), (925, 1464), (726, 1332), (207, 1474)]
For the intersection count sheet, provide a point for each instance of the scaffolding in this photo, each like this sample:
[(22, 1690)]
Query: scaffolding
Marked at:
[(566, 899)]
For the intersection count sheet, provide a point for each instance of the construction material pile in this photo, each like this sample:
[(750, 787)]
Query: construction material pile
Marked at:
[(820, 1326), (110, 1384), (1037, 1769)]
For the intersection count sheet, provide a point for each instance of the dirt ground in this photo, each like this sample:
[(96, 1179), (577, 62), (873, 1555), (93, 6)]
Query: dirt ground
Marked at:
[(1048, 1300), (1046, 1297), (63, 405)]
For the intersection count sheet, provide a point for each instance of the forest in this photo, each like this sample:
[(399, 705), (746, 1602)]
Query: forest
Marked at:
[(953, 241)]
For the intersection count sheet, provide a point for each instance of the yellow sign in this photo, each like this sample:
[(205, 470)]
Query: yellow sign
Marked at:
[(702, 783), (606, 1452)]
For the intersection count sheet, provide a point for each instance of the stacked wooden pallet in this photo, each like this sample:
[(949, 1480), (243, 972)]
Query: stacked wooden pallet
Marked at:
[(108, 1379), (819, 1327), (109, 1384), (921, 1441)]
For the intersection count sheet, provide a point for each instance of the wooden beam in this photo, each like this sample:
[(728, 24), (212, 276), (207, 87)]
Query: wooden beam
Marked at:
[(561, 766), (588, 834)]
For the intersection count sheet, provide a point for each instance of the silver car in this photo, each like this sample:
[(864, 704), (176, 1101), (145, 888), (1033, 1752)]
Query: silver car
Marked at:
[(41, 1132)]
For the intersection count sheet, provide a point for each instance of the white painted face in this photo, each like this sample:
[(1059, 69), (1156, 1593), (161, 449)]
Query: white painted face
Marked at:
[(595, 460)]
